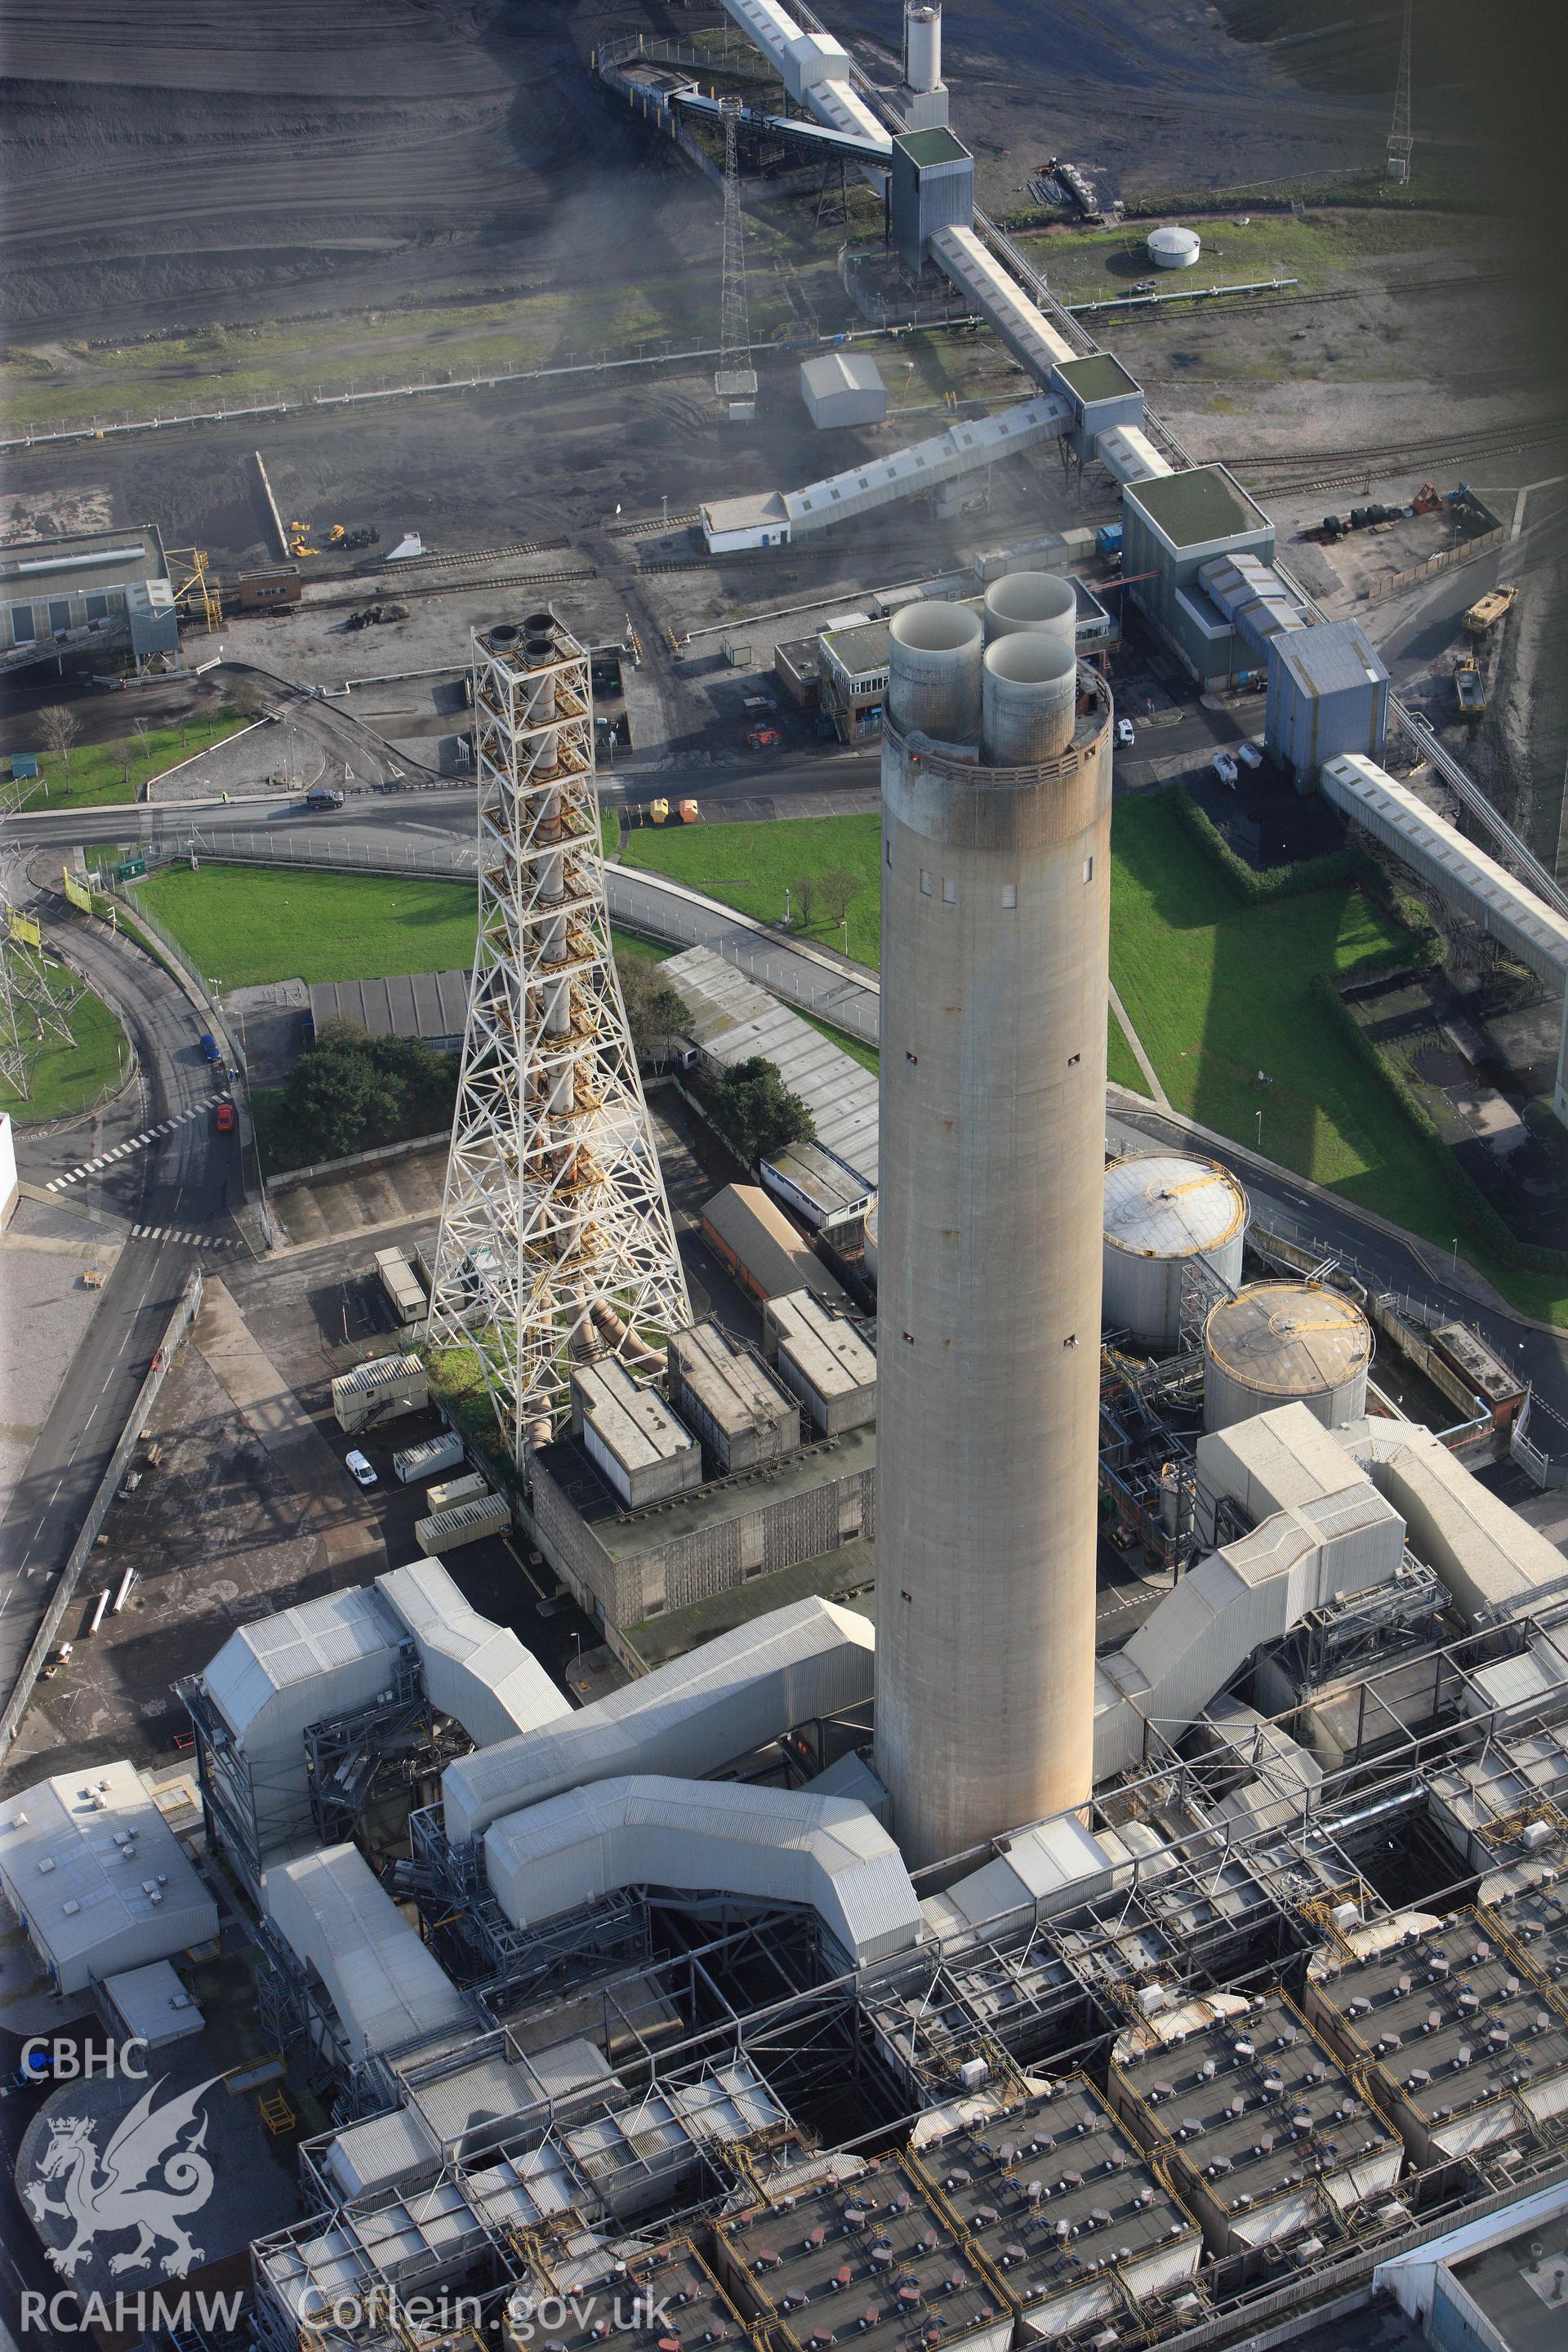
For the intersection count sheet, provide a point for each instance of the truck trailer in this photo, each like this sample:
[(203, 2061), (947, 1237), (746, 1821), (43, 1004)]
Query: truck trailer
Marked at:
[(429, 1458)]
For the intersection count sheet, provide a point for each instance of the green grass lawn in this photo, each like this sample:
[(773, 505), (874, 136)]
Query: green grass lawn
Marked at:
[(1121, 1062), (241, 924), (752, 865), (67, 1078), (96, 775), (1085, 265)]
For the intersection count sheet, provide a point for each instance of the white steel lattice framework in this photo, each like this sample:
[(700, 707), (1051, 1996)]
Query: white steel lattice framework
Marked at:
[(556, 1240)]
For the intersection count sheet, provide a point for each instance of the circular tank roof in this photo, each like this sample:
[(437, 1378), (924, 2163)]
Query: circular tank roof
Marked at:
[(1288, 1338), (1164, 1204), (1174, 246)]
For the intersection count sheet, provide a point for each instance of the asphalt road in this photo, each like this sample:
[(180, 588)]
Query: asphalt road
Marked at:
[(182, 1182)]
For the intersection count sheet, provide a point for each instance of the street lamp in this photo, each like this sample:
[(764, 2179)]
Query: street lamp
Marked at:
[(1259, 1131), (1454, 1270)]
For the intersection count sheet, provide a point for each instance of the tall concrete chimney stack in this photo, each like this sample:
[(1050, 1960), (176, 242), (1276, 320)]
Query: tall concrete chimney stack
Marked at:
[(995, 916)]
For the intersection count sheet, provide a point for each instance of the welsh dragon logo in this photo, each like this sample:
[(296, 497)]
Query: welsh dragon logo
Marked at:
[(121, 2189)]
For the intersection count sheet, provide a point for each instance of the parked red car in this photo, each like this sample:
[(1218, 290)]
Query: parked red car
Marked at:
[(225, 1118)]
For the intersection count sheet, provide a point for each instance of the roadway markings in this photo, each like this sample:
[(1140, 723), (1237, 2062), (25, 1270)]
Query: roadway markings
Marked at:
[(107, 1159), (178, 1233)]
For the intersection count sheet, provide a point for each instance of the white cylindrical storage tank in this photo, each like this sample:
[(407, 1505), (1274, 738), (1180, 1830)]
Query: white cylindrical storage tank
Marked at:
[(1286, 1343), (922, 48), (1042, 601), (1174, 248), (1163, 1210), (933, 672), (1030, 698), (871, 1241)]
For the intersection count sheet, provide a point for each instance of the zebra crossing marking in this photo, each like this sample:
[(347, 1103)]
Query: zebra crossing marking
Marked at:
[(123, 1152)]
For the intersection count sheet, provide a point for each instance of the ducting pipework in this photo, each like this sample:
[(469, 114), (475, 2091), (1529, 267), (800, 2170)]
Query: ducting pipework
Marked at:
[(1028, 699), (933, 672), (1041, 602)]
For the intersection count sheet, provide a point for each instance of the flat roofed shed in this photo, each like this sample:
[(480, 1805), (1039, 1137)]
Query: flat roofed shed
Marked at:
[(1193, 507), (1101, 376), (927, 148)]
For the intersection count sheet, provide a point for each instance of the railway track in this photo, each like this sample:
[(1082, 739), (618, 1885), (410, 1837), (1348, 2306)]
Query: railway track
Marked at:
[(1395, 286), (1295, 470), (513, 549), (447, 587)]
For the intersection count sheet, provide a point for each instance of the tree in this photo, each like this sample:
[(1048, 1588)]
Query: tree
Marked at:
[(351, 1092), (839, 887), (755, 1112), (59, 729), (657, 1013), (805, 892)]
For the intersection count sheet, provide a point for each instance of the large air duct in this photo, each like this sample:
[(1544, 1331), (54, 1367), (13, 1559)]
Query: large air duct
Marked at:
[(933, 672), (1040, 601), (996, 902), (1028, 696)]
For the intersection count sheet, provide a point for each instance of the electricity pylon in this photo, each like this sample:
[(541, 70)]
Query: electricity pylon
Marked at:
[(556, 1240), (735, 378), (1400, 142)]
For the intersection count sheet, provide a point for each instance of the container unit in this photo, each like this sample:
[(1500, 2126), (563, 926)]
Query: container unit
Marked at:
[(429, 1458), (744, 1416), (879, 2253), (757, 1244), (379, 1390), (487, 1515), (824, 1191), (1166, 1215), (631, 1436), (1461, 2049), (1286, 1343), (1055, 2201), (453, 1491), (822, 1361), (1268, 2140), (404, 1291)]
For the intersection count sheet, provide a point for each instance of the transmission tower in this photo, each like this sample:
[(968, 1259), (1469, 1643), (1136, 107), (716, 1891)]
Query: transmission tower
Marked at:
[(735, 378), (556, 1240), (1400, 142), (33, 1008)]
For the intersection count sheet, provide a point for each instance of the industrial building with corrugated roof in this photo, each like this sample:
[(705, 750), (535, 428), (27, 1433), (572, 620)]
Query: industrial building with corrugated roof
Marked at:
[(97, 1877), (843, 388), (433, 1005), (734, 1019), (767, 1256)]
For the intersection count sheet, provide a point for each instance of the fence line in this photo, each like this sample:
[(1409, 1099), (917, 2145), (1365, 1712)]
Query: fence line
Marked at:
[(33, 1663), (1439, 562), (639, 905)]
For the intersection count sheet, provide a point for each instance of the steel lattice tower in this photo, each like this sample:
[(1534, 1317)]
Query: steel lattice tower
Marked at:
[(556, 1240), (735, 375), (1400, 142)]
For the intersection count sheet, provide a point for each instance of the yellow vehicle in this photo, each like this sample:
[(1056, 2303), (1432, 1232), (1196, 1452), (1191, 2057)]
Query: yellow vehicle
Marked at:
[(1488, 610), (658, 812), (1469, 687), (335, 534)]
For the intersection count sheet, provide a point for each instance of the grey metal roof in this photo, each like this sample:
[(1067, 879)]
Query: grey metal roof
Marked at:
[(732, 1019), (409, 1004), (98, 1876), (298, 1645), (1327, 659), (841, 372), (387, 1985), (83, 564)]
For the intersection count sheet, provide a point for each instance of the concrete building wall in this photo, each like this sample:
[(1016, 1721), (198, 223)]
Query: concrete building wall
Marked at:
[(995, 903), (728, 1552)]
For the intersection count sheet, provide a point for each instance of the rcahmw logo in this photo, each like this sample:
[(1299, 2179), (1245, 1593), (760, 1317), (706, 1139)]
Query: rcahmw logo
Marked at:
[(148, 2178), (58, 2315)]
